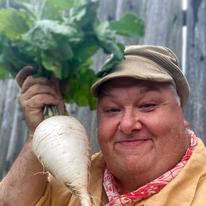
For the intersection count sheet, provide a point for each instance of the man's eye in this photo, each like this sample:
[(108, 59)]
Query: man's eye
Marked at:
[(148, 107), (112, 110)]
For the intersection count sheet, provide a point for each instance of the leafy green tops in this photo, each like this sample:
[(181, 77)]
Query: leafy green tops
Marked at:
[(60, 38)]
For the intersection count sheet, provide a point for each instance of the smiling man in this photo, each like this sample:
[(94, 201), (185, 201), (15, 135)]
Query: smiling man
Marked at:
[(142, 132), (148, 157)]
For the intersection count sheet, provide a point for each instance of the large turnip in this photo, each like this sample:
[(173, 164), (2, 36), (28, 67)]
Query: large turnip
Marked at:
[(61, 144)]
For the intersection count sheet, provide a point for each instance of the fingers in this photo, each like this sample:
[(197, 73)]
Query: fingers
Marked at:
[(25, 79), (38, 102), (24, 73), (36, 93), (40, 90), (30, 81)]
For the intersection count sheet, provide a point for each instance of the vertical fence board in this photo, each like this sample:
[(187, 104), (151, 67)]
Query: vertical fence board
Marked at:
[(10, 125), (195, 66), (163, 22)]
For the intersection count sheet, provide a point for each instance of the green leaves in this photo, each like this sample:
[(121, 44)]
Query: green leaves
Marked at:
[(84, 14), (52, 9), (52, 65), (129, 25), (4, 74), (107, 41), (48, 34), (79, 89), (12, 24), (60, 38)]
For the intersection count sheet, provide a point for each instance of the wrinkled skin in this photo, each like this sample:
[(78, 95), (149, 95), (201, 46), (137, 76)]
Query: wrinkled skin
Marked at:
[(141, 131), (35, 94)]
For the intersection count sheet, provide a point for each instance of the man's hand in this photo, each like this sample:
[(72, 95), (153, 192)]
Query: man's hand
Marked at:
[(25, 182), (36, 92)]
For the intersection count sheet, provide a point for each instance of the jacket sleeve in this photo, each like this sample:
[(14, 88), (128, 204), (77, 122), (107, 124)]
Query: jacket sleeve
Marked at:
[(56, 194)]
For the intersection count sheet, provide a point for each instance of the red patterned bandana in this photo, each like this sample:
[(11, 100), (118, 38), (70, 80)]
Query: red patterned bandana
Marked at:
[(130, 198)]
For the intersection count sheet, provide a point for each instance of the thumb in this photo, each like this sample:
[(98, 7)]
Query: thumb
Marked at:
[(24, 73)]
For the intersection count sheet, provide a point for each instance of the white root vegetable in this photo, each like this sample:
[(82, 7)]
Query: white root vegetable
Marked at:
[(61, 144)]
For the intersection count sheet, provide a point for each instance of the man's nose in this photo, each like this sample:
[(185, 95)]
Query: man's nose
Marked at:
[(130, 122)]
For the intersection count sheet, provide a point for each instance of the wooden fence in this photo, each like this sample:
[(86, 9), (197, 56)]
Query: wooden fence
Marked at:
[(164, 20)]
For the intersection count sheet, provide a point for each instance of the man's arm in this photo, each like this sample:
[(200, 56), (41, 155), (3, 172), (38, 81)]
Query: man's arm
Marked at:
[(26, 181)]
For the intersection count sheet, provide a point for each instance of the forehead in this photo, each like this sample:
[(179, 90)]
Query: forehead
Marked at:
[(142, 85)]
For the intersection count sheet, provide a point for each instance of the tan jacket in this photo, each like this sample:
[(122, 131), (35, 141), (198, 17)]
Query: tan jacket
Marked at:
[(187, 189)]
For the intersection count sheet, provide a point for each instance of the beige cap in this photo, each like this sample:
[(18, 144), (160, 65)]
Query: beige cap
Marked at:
[(151, 63)]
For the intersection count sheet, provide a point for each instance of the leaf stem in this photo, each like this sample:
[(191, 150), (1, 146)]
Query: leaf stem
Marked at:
[(50, 110), (41, 9)]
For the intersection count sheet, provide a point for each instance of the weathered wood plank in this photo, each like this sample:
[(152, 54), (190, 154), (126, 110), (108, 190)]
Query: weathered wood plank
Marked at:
[(3, 85), (12, 125), (195, 66), (164, 22), (11, 91)]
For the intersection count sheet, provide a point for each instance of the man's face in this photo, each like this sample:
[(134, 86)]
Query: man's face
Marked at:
[(141, 129)]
